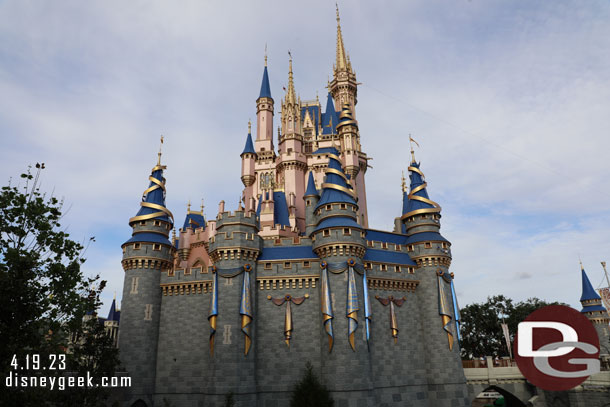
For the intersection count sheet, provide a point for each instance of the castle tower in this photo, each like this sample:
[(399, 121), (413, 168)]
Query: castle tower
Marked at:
[(431, 252), (233, 249), (311, 198), (292, 164), (598, 315), (248, 173), (344, 85), (336, 240), (264, 115), (111, 324), (145, 256)]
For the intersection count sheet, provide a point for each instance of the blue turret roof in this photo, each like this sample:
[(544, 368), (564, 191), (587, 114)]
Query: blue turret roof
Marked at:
[(588, 293), (416, 181), (156, 196), (333, 195), (265, 88), (194, 220), (281, 214), (311, 186), (330, 114), (249, 147), (114, 315)]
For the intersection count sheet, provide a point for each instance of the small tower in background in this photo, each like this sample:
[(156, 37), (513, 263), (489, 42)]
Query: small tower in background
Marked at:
[(593, 309)]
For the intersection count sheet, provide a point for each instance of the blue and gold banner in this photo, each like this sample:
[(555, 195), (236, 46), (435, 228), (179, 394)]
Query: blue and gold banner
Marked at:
[(456, 313), (213, 310), (367, 307), (245, 308), (351, 307), (444, 308), (326, 305)]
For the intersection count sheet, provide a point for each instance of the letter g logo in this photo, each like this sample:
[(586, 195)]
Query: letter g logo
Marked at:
[(557, 348)]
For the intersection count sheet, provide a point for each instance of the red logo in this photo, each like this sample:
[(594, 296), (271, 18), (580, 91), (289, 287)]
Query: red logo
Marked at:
[(557, 348)]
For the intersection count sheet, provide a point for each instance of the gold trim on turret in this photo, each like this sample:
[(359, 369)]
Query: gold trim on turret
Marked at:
[(436, 207), (340, 188)]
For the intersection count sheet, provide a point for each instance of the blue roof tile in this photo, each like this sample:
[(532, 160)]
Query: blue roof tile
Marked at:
[(337, 221), (311, 186), (425, 237), (156, 196), (193, 220), (265, 88), (412, 204), (384, 256), (249, 147), (148, 237), (331, 195), (280, 209), (386, 237), (588, 293), (329, 115), (287, 253)]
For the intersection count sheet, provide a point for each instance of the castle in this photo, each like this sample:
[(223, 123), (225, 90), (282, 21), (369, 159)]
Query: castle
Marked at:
[(238, 304)]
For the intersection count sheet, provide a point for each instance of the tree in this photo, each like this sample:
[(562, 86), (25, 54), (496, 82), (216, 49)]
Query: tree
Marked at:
[(44, 296), (480, 327), (309, 392)]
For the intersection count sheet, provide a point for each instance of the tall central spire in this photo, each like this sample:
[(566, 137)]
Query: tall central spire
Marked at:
[(341, 64), (290, 93)]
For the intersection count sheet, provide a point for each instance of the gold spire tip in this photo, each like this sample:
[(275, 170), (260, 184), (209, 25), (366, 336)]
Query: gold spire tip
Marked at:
[(202, 206), (114, 295), (160, 145), (337, 6), (265, 54), (188, 206), (249, 131)]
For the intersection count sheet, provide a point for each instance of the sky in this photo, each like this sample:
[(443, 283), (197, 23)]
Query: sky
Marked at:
[(508, 100)]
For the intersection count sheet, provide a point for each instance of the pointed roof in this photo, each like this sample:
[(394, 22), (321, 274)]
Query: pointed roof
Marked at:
[(311, 186), (265, 88), (194, 220), (341, 63), (346, 116), (336, 187), (153, 198), (418, 200), (290, 92), (113, 314), (588, 292), (249, 147), (330, 117)]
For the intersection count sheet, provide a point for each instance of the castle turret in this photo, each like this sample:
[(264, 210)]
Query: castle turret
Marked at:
[(598, 315), (111, 324), (344, 86), (264, 116), (145, 256), (311, 198), (234, 251), (431, 252), (292, 164), (248, 160)]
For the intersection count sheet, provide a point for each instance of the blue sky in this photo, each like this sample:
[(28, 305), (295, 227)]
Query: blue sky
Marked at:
[(509, 101)]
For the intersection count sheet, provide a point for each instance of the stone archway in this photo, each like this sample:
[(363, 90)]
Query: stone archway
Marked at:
[(507, 399)]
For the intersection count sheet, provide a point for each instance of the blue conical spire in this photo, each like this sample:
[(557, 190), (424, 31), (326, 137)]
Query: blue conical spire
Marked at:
[(588, 292), (311, 186), (335, 187), (249, 147), (265, 88), (113, 314), (330, 118), (418, 200)]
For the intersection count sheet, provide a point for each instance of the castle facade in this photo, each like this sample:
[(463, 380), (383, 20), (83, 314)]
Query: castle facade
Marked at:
[(239, 303)]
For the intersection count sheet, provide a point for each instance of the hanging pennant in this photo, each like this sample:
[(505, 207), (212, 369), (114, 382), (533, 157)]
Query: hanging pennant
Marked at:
[(456, 312), (352, 305), (367, 307), (245, 308), (213, 309), (288, 299), (326, 304), (444, 308), (393, 322)]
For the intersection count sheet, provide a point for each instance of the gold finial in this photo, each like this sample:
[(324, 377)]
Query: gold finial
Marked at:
[(188, 207), (579, 261), (341, 63), (160, 145), (202, 206), (337, 6), (114, 295), (411, 141), (317, 97), (404, 183), (249, 126), (173, 234), (265, 54)]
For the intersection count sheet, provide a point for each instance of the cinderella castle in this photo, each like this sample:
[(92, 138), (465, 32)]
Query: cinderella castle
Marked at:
[(240, 303)]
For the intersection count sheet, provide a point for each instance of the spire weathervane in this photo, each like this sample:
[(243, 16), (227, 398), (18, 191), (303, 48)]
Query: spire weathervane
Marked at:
[(160, 145), (265, 54), (411, 141), (249, 126)]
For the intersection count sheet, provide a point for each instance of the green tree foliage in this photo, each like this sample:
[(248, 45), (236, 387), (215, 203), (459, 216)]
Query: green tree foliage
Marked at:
[(44, 296), (309, 392), (480, 326)]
